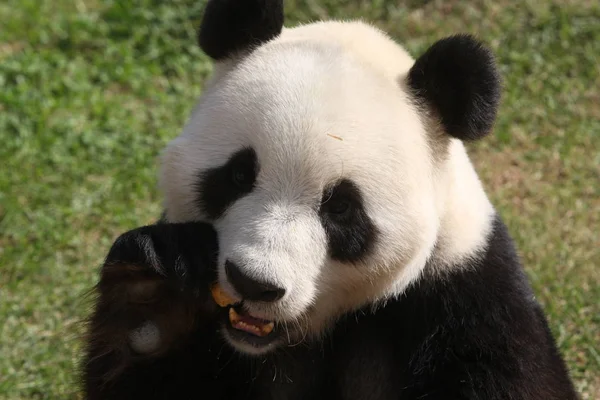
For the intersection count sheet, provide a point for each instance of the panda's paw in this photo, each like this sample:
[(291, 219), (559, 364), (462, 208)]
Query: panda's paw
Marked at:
[(154, 289)]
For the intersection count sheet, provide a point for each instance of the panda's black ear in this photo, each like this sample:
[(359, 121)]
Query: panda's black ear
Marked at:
[(457, 77), (234, 26)]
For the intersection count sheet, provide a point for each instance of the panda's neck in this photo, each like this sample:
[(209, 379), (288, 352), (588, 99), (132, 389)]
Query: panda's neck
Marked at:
[(466, 214)]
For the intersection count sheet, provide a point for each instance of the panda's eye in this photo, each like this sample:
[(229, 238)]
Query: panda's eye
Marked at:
[(337, 206), (337, 201), (241, 176), (242, 172)]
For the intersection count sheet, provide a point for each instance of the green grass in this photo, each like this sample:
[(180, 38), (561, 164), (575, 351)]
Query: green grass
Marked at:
[(91, 91)]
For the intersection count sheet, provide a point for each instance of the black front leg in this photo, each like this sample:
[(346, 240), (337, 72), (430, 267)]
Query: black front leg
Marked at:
[(154, 319)]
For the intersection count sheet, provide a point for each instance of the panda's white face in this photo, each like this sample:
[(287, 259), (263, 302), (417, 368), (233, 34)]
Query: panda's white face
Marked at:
[(316, 169)]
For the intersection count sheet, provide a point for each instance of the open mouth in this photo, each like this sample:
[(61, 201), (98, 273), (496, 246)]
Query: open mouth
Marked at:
[(242, 321), (243, 327)]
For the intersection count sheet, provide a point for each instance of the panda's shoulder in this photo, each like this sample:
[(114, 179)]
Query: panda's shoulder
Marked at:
[(465, 302), (478, 322)]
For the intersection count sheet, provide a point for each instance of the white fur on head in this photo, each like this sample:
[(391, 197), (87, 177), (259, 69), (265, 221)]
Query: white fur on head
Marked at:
[(322, 102)]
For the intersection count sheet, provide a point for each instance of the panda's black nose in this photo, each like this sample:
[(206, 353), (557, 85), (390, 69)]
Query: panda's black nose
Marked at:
[(249, 288)]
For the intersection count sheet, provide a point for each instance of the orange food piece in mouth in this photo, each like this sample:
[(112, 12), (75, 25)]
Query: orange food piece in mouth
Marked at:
[(220, 296)]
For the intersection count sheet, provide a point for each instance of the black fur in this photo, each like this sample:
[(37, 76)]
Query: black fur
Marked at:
[(475, 332), (234, 26), (193, 245), (220, 187), (175, 263), (350, 232), (457, 77)]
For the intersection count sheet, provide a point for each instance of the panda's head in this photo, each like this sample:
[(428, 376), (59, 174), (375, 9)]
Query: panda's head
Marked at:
[(331, 165)]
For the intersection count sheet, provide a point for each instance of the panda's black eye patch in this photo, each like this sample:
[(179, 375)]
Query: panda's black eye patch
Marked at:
[(350, 232), (220, 187)]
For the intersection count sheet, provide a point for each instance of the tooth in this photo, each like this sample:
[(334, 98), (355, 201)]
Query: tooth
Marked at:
[(259, 329), (234, 317), (267, 328), (247, 327)]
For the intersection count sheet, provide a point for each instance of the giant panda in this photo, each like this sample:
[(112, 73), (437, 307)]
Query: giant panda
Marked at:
[(323, 182)]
